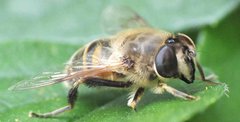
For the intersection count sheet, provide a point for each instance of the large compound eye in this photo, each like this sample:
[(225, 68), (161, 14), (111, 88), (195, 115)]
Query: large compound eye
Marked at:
[(166, 62)]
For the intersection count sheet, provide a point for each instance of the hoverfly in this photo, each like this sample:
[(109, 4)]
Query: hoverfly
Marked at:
[(137, 58)]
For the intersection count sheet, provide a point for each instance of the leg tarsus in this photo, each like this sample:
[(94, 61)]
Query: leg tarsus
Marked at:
[(50, 114)]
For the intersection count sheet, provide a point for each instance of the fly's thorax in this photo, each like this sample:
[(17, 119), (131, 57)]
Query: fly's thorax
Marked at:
[(142, 46)]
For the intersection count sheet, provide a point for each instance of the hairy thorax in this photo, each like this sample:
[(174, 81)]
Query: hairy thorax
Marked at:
[(141, 47)]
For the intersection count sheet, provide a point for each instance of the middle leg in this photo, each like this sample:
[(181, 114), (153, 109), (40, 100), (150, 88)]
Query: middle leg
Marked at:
[(135, 98)]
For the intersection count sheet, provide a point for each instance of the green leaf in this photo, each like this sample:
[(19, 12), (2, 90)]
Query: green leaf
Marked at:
[(155, 108), (31, 57), (70, 20), (57, 24), (220, 51)]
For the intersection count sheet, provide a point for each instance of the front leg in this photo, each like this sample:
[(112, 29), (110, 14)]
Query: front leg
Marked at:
[(207, 79), (164, 87), (135, 98)]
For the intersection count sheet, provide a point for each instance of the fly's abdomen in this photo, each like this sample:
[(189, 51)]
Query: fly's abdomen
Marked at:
[(96, 53), (92, 55)]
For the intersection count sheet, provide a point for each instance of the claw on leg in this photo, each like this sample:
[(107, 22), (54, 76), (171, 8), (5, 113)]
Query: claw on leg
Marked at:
[(132, 104)]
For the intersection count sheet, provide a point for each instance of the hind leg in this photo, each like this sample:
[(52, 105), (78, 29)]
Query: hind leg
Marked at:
[(72, 96)]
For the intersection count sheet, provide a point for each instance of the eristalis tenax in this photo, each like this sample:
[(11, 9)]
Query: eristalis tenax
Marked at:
[(137, 57)]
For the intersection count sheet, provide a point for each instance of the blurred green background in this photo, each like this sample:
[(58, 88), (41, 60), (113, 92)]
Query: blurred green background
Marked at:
[(41, 35)]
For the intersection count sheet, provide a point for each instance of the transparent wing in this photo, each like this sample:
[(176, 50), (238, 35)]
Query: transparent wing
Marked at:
[(117, 18), (44, 79), (50, 78)]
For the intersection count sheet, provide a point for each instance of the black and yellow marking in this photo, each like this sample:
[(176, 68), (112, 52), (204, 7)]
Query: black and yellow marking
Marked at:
[(91, 54), (87, 55), (94, 54)]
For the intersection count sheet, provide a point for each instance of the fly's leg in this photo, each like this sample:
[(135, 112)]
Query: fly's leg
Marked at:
[(72, 96), (207, 79), (175, 92), (94, 82), (135, 98), (210, 78), (50, 114)]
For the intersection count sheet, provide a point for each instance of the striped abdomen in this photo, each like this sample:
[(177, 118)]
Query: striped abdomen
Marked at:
[(90, 55)]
